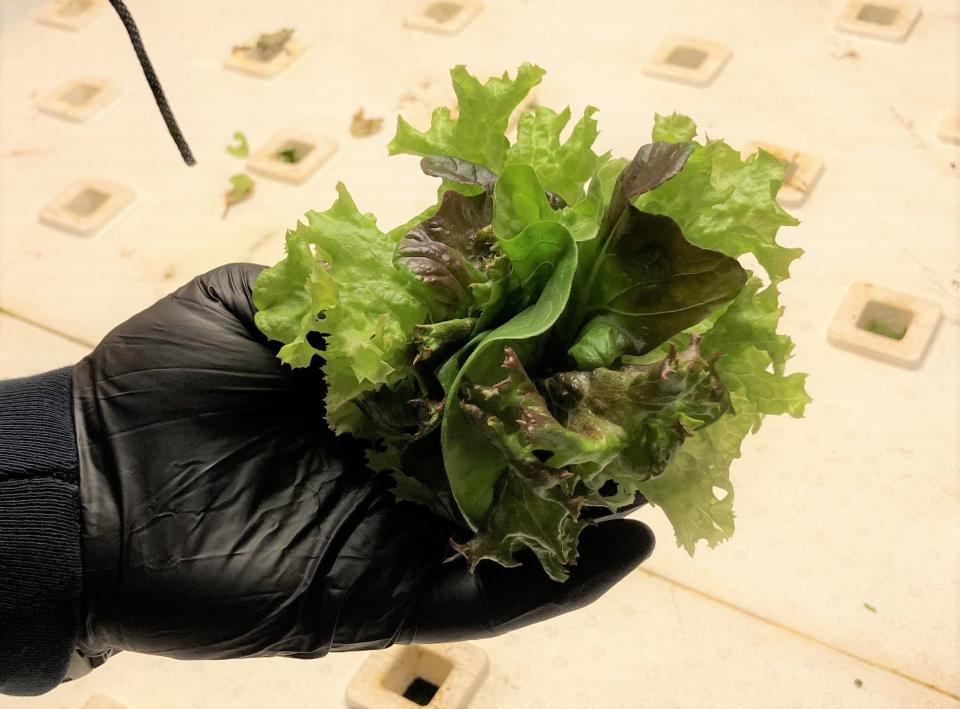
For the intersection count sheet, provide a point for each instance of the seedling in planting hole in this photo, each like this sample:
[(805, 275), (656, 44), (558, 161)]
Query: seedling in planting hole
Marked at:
[(687, 60), (292, 155), (885, 324), (443, 16), (878, 327), (266, 56), (289, 155), (882, 19), (267, 46)]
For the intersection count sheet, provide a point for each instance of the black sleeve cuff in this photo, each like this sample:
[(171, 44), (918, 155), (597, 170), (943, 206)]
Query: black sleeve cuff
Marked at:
[(40, 567)]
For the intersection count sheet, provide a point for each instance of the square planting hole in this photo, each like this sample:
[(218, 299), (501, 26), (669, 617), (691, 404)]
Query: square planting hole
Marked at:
[(878, 14), (86, 206), (417, 674), (687, 60), (790, 168), (86, 202), (443, 11), (269, 46), (293, 151), (443, 16), (421, 691), (687, 57), (72, 8), (885, 324), (71, 14), (885, 320), (949, 130), (891, 21), (292, 156), (79, 94), (266, 55), (80, 99), (801, 171), (436, 676)]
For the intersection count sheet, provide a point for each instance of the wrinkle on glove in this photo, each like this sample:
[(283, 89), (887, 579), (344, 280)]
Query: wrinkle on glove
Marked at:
[(222, 518)]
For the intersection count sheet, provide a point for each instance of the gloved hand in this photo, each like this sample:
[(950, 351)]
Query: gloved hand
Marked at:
[(222, 518)]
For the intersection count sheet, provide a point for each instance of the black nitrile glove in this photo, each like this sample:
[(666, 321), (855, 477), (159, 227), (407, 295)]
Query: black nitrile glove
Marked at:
[(222, 519)]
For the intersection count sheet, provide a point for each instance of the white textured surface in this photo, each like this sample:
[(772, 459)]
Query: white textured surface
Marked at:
[(859, 502), (26, 349), (645, 645), (887, 308), (456, 670)]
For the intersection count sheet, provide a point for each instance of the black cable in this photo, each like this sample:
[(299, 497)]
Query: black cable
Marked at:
[(153, 81)]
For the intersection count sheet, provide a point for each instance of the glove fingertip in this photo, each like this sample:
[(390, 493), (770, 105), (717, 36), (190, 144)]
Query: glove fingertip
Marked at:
[(608, 552), (231, 286)]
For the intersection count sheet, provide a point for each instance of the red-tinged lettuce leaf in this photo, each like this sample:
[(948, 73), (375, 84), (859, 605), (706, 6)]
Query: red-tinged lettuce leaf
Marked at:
[(653, 165), (522, 518), (477, 135), (723, 202), (473, 464), (695, 491), (439, 340), (648, 284), (611, 426), (462, 172), (450, 252), (620, 264), (640, 281), (653, 407), (515, 416)]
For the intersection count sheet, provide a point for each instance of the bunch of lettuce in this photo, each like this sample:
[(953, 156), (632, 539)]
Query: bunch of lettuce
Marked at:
[(565, 330)]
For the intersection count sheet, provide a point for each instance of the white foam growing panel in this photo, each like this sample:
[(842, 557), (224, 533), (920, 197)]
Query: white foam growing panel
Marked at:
[(801, 175), (102, 701), (403, 677), (880, 19), (87, 206), (80, 100), (886, 324), (292, 156), (949, 130), (72, 14), (447, 17), (245, 59), (687, 60)]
